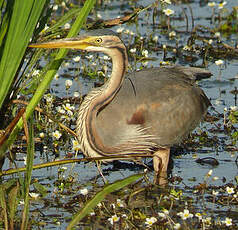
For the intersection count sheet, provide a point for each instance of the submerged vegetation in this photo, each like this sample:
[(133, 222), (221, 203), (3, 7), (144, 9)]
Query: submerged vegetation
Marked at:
[(59, 191)]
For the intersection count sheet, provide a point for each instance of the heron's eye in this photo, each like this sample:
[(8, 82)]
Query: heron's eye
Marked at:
[(98, 40)]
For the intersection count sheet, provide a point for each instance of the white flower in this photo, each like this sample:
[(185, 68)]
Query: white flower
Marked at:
[(172, 34), (69, 109), (185, 214), (48, 98), (217, 34), (89, 56), (60, 110), (56, 134), (166, 1), (42, 135), (34, 195), (133, 50), (150, 221), (35, 72), (209, 173), (227, 221), (68, 83), (214, 193), (186, 48), (230, 190), (155, 38), (120, 29), (76, 145), (207, 221), (221, 5), (113, 219), (132, 33), (164, 63), (84, 191), (119, 203), (145, 53), (25, 159), (219, 62), (177, 226), (211, 4), (21, 202), (55, 7), (76, 94), (106, 58), (168, 12), (199, 216), (233, 108), (67, 26), (215, 178), (162, 215), (56, 77), (99, 205), (76, 59)]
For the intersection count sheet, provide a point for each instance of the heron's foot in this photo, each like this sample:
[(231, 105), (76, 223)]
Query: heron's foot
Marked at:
[(160, 163)]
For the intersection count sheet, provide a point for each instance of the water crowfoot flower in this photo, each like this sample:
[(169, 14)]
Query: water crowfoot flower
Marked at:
[(145, 53), (34, 195), (69, 108), (168, 12), (56, 134), (227, 221), (66, 26), (211, 4), (133, 50), (84, 191), (42, 135), (185, 214), (177, 226), (113, 219), (76, 59), (68, 83), (209, 173), (76, 145), (150, 221), (219, 62), (230, 190), (119, 203), (221, 5)]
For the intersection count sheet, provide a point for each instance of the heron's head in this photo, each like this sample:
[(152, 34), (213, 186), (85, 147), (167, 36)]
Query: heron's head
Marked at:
[(101, 40)]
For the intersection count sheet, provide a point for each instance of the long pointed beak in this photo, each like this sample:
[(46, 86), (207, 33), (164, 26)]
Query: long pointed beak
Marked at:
[(71, 43)]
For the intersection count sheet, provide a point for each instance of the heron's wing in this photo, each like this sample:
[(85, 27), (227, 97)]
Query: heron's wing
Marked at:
[(162, 100)]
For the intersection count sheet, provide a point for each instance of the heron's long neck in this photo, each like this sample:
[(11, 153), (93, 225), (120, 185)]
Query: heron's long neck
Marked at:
[(86, 129)]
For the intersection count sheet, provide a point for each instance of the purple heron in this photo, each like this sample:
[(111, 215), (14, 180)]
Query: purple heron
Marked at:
[(143, 112)]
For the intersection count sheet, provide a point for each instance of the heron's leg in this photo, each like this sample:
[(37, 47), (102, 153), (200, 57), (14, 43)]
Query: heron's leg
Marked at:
[(98, 163), (160, 163)]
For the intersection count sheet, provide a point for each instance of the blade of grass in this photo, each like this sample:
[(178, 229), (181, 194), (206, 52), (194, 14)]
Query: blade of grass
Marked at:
[(12, 204), (4, 206), (24, 17), (29, 168), (90, 205), (69, 161), (54, 66)]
